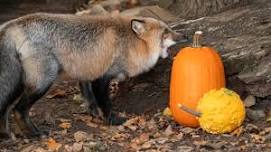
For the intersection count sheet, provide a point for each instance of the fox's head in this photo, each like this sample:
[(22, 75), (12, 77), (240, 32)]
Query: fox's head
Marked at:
[(156, 34)]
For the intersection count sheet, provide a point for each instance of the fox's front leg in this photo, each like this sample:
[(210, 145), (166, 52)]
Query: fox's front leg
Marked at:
[(101, 96), (87, 93)]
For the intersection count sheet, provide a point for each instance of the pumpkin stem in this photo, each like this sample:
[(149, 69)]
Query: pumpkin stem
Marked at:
[(188, 110), (196, 39)]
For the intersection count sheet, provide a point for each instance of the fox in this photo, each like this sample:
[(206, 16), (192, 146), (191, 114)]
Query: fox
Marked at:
[(36, 49)]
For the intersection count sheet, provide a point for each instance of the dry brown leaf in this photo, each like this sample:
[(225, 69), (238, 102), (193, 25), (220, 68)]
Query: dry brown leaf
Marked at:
[(200, 143), (64, 120), (179, 136), (134, 145), (80, 136), (58, 93), (144, 137), (238, 131), (119, 137), (91, 124), (257, 138), (168, 132), (65, 125), (167, 112), (77, 147), (146, 145), (53, 145), (131, 121)]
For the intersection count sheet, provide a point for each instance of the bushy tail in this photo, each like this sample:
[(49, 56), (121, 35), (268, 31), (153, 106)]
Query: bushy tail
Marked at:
[(10, 76)]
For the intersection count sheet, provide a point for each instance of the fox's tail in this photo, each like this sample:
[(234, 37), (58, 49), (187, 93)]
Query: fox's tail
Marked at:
[(11, 74)]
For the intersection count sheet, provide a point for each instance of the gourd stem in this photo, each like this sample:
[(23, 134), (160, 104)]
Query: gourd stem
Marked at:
[(196, 39), (188, 110)]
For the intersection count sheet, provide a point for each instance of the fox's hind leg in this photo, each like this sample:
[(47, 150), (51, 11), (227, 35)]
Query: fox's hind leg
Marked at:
[(46, 72), (10, 85), (101, 91)]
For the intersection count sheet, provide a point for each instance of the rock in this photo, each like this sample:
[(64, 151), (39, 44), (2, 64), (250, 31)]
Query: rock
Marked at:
[(242, 37), (255, 115), (194, 9), (165, 3), (151, 11), (94, 10), (80, 136), (250, 101)]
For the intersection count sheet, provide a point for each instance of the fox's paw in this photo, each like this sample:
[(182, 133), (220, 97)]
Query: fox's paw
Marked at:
[(37, 134), (96, 112), (4, 136), (113, 119)]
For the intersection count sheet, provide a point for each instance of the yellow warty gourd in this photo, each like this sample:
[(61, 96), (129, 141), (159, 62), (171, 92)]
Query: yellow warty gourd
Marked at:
[(219, 111)]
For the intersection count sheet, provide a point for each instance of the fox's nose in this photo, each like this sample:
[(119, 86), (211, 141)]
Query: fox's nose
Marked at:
[(180, 37)]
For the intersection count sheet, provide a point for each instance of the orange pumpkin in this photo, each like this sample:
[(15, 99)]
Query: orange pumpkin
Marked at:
[(195, 71)]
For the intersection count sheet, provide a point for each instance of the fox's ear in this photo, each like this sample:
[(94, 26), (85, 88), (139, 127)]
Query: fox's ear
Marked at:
[(138, 26)]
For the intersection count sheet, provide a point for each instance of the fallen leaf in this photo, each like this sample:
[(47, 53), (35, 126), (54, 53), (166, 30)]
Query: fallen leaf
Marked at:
[(121, 128), (76, 147), (185, 148), (78, 97), (28, 148), (200, 143), (257, 138), (119, 137), (250, 101), (39, 149), (168, 132), (58, 93), (91, 124), (167, 112), (187, 130), (65, 125), (131, 123), (162, 140), (64, 120), (238, 131), (144, 137), (67, 148), (80, 136), (179, 136), (268, 119), (53, 145), (146, 145), (134, 145)]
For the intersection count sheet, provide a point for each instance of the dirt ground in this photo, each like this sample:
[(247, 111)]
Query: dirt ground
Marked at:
[(63, 114), (142, 100)]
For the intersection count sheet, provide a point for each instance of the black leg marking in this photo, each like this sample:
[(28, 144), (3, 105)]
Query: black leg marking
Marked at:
[(21, 112), (87, 93), (101, 90)]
